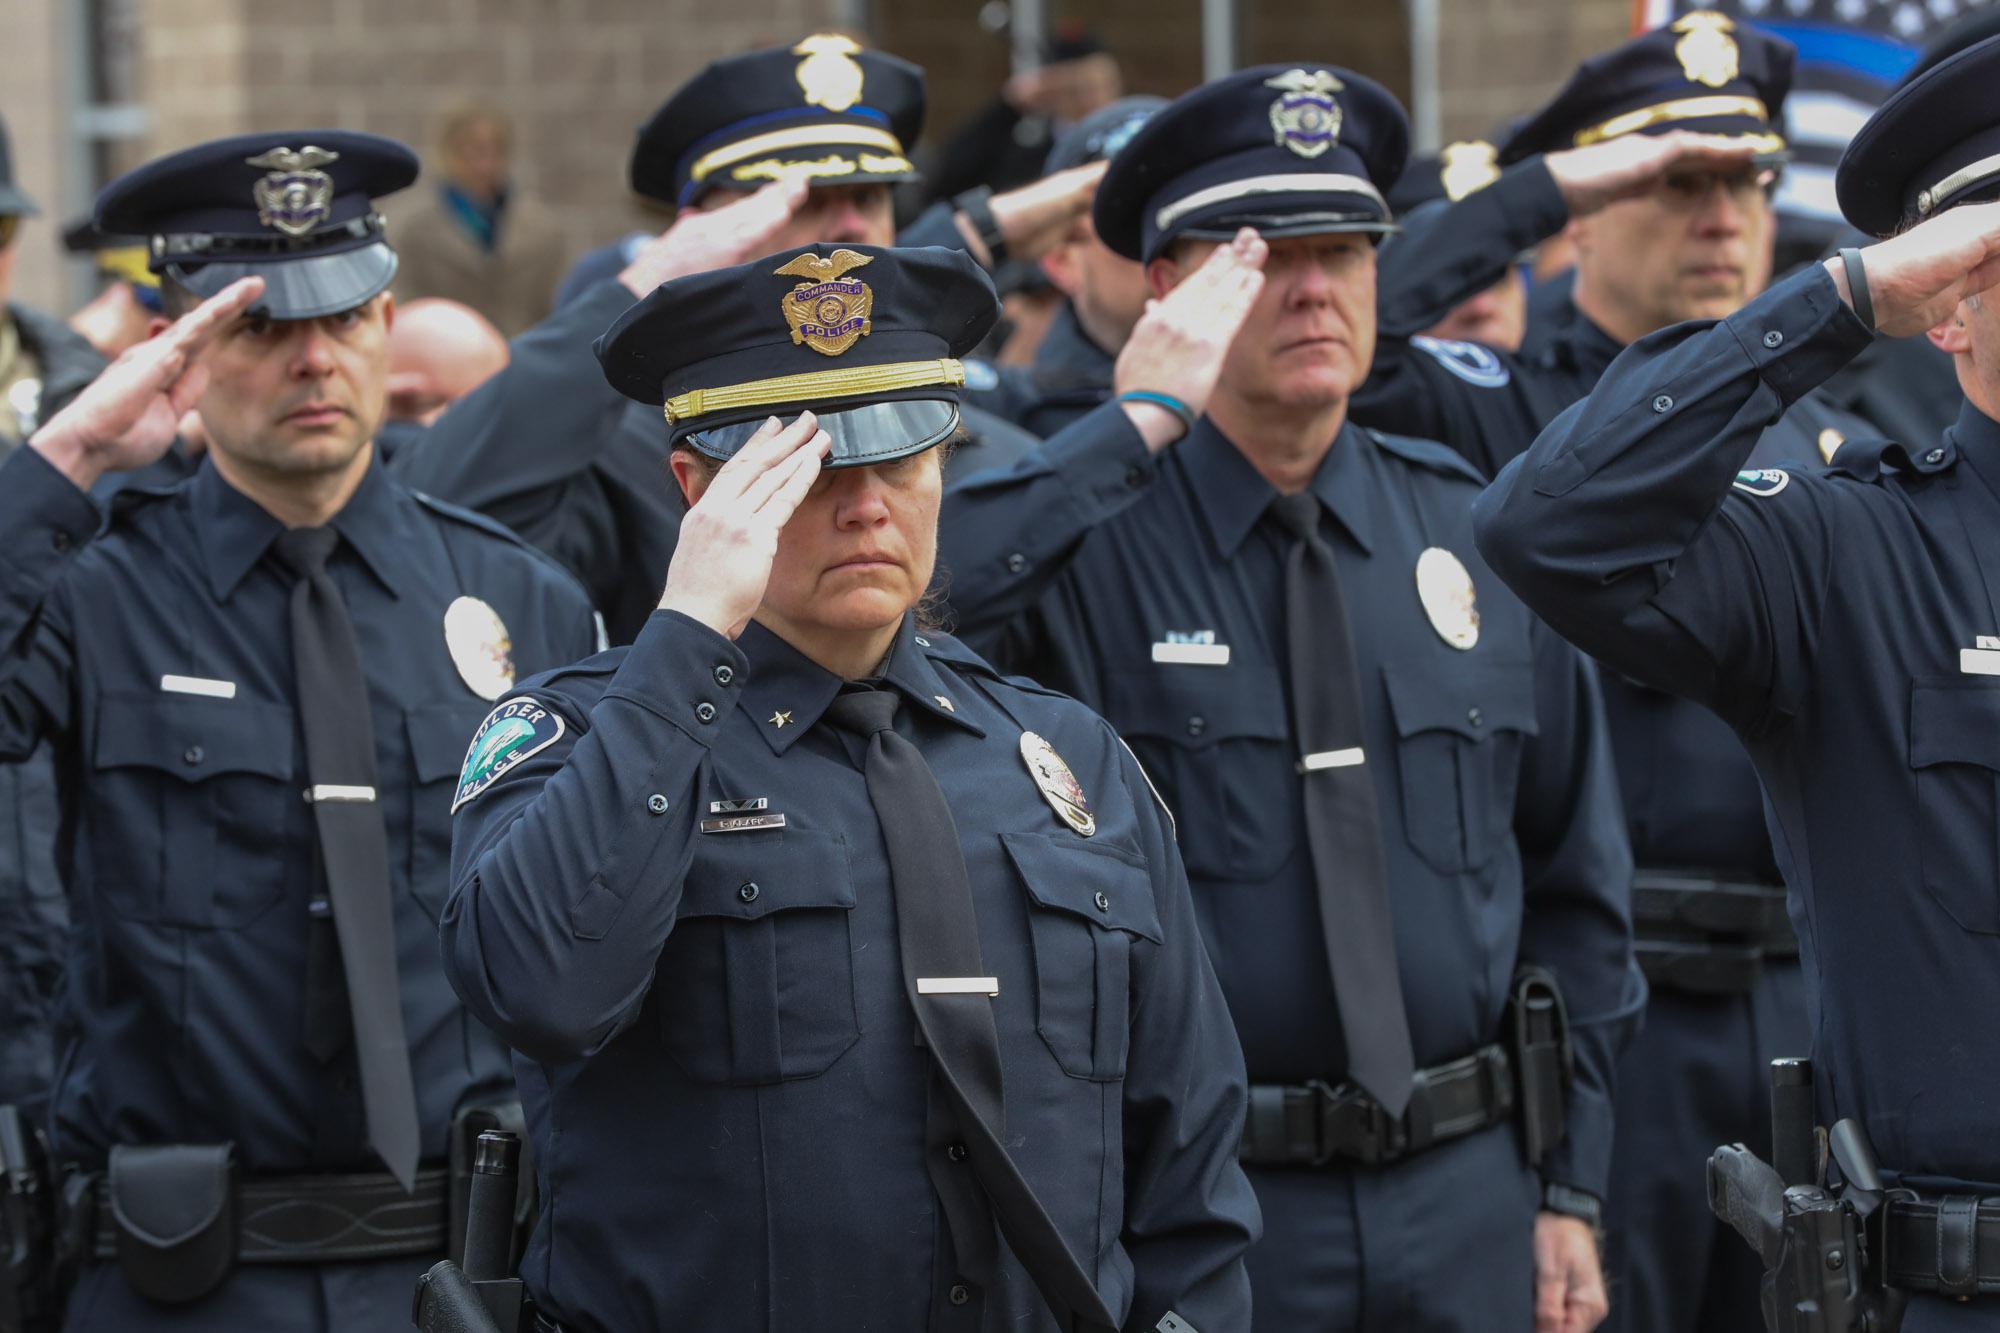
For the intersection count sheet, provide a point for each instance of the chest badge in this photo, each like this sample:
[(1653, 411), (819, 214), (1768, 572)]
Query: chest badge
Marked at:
[(1445, 588), (1058, 785), (480, 647)]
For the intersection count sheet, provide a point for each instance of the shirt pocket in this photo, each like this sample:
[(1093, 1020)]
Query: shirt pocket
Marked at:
[(439, 736), (1460, 725), (1088, 906), (1215, 738), (1955, 753), (756, 982), (202, 795)]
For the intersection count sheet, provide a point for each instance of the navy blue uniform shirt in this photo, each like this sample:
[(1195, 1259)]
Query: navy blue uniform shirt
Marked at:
[(157, 661), (1501, 822), (713, 1026), (1836, 622)]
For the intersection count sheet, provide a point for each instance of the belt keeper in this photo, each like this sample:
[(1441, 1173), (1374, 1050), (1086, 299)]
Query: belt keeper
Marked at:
[(1857, 286), (1958, 1245)]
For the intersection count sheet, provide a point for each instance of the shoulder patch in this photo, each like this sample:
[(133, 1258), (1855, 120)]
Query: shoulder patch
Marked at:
[(1763, 482), (1477, 365), (511, 733), (980, 376)]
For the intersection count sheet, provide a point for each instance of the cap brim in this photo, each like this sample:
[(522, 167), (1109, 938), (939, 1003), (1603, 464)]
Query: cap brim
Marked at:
[(811, 166), (14, 201), (870, 433), (301, 287)]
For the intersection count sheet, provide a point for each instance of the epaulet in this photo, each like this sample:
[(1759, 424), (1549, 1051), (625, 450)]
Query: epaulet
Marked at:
[(944, 647), (1427, 453), (1870, 459), (597, 667), (130, 499), (468, 517)]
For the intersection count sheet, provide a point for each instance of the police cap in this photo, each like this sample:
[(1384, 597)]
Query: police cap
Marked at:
[(296, 208), (1935, 142), (825, 108), (1701, 72), (866, 337), (1459, 170), (1292, 150), (1100, 134)]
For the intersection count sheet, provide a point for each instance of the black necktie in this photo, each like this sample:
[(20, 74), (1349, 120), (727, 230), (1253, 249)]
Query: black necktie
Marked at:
[(1343, 827), (353, 845), (937, 933)]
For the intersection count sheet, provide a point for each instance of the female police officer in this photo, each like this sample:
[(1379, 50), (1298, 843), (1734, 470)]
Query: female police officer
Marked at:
[(855, 986)]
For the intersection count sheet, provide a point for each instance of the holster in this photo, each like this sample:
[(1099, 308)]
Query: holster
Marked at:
[(30, 1290), (1544, 1061), (466, 1127), (174, 1207)]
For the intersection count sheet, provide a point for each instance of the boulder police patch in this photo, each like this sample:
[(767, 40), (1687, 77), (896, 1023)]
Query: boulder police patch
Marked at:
[(510, 734), (1471, 362), (1762, 482), (829, 312), (1306, 118)]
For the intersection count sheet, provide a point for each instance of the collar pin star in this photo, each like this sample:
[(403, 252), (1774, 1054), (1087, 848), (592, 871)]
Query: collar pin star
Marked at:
[(781, 719)]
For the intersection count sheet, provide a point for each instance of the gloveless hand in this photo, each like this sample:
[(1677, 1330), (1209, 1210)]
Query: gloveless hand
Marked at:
[(1179, 344), (1916, 280), (701, 239)]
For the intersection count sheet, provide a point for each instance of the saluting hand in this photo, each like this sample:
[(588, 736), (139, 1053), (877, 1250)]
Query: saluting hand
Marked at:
[(729, 538), (1569, 1282), (705, 239), (1916, 280), (127, 417), (1630, 165), (1179, 344), (1035, 218)]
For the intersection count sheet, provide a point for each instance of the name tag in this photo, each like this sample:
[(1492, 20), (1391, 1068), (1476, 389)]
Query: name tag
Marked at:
[(742, 823), (958, 985), (1979, 661), (1987, 641), (207, 689), (1192, 654)]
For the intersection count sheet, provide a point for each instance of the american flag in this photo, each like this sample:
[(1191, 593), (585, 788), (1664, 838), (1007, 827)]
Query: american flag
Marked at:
[(1851, 53)]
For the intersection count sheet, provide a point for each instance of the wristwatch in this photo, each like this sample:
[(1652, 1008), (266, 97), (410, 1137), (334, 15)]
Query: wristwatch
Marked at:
[(977, 205), (1575, 1203)]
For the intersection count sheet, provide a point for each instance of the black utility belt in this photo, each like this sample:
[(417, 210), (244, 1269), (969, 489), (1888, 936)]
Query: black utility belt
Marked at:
[(176, 1218), (1706, 935), (1949, 1245), (1313, 1124)]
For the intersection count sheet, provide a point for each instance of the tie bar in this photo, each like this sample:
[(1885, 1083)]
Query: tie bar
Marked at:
[(1320, 759), (958, 985), (333, 792)]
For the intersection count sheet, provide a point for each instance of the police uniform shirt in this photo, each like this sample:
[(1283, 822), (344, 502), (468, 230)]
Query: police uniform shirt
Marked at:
[(1844, 625), (157, 658), (672, 897), (1153, 592)]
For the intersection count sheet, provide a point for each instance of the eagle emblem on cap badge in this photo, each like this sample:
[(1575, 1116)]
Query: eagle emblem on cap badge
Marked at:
[(829, 312), (1306, 117), (829, 75), (1706, 51), (1467, 167), (296, 195)]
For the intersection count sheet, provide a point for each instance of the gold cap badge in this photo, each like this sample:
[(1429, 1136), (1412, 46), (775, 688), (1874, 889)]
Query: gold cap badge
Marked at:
[(1706, 51), (1468, 167), (830, 312), (1058, 785), (1306, 118), (1444, 586), (480, 647), (829, 75), (296, 196)]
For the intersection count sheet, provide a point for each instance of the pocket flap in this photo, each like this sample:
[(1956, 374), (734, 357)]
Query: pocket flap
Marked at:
[(1472, 697), (193, 738), (751, 875), (1103, 884), (440, 738), (1955, 724), (1198, 706)]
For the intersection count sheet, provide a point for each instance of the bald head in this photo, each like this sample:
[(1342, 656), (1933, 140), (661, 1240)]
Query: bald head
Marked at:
[(439, 351)]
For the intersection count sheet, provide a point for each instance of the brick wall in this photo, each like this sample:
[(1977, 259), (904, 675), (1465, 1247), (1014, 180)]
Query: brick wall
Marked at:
[(1500, 58), (31, 100)]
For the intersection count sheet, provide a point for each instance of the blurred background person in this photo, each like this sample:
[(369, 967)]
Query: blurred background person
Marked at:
[(1430, 184), (439, 351), (475, 236), (121, 314)]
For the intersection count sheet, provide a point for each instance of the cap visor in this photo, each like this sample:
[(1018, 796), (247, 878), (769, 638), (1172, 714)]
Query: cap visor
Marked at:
[(13, 201), (302, 288), (871, 433)]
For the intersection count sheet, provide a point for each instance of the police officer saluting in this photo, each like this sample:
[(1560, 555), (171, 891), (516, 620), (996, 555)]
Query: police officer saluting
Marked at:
[(258, 684), (1392, 784), (1847, 627), (860, 981)]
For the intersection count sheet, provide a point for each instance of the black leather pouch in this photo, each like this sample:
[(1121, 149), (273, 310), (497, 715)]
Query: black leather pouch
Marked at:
[(175, 1209)]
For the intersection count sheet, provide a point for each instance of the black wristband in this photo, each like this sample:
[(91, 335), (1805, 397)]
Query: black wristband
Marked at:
[(977, 205), (1857, 286), (1569, 1202)]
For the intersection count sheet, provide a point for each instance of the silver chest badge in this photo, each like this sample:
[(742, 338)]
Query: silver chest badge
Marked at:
[(296, 196), (1057, 784), (1444, 586), (480, 647)]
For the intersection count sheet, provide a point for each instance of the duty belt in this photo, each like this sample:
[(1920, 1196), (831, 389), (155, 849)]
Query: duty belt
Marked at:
[(1949, 1245), (1706, 935), (1312, 1124), (320, 1219)]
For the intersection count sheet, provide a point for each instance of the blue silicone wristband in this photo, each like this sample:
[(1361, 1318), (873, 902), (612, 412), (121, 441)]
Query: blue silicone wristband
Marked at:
[(1168, 401)]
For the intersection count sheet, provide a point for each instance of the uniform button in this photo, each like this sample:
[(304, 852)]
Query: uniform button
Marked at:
[(1663, 403), (1197, 725), (748, 893), (1773, 338), (956, 1152), (959, 1294), (724, 674), (705, 711), (1135, 475), (1475, 717), (1934, 456), (1103, 902), (657, 803), (59, 540), (1016, 563), (194, 754)]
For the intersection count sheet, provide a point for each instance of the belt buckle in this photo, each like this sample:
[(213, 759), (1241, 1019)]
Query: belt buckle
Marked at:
[(1378, 1137)]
